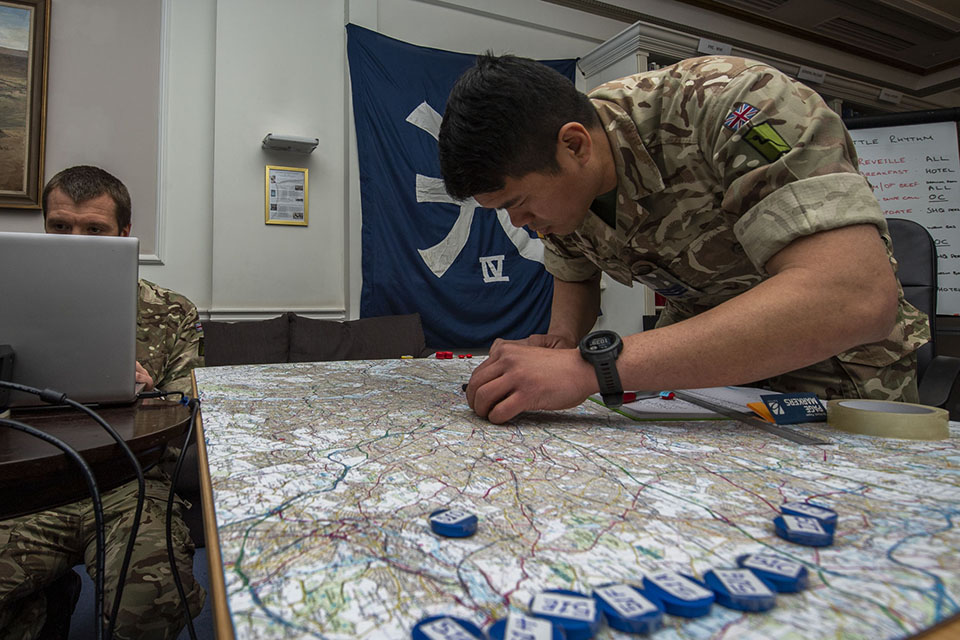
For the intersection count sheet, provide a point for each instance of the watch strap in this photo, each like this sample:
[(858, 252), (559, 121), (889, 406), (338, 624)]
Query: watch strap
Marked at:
[(608, 380)]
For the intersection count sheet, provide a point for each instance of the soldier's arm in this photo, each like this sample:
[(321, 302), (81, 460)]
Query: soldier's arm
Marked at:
[(574, 309), (576, 295), (573, 312), (829, 291), (185, 354)]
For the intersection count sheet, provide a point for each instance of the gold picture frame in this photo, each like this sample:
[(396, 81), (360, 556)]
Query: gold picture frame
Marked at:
[(287, 196), (24, 49)]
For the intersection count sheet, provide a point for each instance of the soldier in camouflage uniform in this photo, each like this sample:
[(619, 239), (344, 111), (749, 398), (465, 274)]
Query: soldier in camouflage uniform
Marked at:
[(37, 551), (712, 181), (169, 337)]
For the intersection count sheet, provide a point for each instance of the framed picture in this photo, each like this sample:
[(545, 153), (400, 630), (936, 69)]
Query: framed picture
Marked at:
[(24, 31), (287, 199)]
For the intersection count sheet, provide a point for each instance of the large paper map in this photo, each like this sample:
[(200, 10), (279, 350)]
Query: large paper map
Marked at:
[(324, 474)]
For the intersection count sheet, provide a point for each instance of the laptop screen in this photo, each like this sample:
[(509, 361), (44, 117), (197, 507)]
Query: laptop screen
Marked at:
[(68, 308)]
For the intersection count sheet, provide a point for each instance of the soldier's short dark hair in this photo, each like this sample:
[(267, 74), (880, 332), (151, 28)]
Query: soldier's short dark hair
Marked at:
[(84, 182), (502, 119)]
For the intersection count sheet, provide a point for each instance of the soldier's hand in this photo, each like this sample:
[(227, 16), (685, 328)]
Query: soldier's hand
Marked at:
[(144, 377), (519, 377)]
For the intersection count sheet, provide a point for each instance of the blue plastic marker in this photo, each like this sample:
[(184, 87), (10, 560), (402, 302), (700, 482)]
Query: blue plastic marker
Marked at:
[(825, 516), (446, 628), (577, 614), (803, 530), (517, 626), (453, 523), (786, 576), (680, 595), (740, 589), (627, 609)]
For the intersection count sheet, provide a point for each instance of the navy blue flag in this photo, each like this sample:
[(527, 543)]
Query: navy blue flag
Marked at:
[(471, 275)]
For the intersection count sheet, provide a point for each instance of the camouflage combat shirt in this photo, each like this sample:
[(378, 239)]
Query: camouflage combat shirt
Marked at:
[(722, 162), (169, 337)]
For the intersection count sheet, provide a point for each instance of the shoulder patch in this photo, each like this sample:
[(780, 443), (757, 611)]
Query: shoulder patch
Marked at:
[(765, 139), (740, 116)]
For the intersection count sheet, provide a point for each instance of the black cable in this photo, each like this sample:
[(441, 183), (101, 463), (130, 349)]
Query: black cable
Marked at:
[(194, 404), (97, 509), (55, 397), (135, 525), (160, 394)]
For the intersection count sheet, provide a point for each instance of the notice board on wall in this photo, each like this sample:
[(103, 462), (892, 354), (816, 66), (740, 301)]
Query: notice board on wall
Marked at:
[(914, 170)]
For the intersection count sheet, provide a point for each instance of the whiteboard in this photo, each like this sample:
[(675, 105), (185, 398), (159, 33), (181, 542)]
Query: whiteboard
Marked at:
[(914, 171)]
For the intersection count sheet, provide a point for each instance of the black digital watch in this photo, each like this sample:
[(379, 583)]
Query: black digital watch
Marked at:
[(601, 349)]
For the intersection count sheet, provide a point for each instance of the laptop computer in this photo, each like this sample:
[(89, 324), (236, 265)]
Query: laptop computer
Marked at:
[(68, 308)]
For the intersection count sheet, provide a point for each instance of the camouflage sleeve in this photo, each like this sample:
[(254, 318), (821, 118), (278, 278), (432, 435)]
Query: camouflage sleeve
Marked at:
[(169, 337), (564, 263), (186, 353), (790, 169)]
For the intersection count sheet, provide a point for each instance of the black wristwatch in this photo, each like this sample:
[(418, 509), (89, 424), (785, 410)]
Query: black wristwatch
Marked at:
[(601, 349)]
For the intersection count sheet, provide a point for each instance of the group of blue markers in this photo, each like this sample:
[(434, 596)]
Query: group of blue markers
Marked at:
[(559, 614)]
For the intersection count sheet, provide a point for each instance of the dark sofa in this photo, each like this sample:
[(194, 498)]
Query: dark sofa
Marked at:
[(295, 338)]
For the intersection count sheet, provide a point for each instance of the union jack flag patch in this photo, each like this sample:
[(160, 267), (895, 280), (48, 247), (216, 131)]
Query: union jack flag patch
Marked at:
[(740, 116)]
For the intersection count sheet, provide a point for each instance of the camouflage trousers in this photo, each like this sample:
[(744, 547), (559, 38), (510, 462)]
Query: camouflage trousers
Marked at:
[(834, 378), (37, 549)]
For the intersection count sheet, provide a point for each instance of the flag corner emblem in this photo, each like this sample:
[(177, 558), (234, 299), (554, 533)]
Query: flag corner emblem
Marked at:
[(740, 116)]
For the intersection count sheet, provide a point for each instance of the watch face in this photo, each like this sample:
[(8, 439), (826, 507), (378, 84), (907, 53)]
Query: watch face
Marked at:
[(599, 343), (603, 344)]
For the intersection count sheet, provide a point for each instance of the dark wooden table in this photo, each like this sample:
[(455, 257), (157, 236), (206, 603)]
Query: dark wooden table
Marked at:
[(35, 475)]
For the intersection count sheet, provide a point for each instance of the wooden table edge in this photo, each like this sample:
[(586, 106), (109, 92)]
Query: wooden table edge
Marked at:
[(222, 625), (948, 629)]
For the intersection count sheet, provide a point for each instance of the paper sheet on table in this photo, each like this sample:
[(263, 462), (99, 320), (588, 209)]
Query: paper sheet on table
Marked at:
[(657, 408)]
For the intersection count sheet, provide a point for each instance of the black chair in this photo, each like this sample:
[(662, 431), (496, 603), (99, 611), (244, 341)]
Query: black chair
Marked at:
[(916, 254)]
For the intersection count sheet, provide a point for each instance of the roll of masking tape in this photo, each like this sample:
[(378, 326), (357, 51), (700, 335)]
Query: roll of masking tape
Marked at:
[(889, 419)]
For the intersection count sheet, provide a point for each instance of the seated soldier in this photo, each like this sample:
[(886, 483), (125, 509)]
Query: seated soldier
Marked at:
[(37, 551)]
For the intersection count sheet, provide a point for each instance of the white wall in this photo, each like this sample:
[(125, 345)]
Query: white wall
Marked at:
[(186, 150), (280, 67)]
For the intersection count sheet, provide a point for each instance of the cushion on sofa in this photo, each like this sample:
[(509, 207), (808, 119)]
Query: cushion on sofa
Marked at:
[(246, 342), (313, 340)]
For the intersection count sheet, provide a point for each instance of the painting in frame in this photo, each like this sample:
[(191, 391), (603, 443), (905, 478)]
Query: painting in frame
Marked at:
[(24, 32)]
